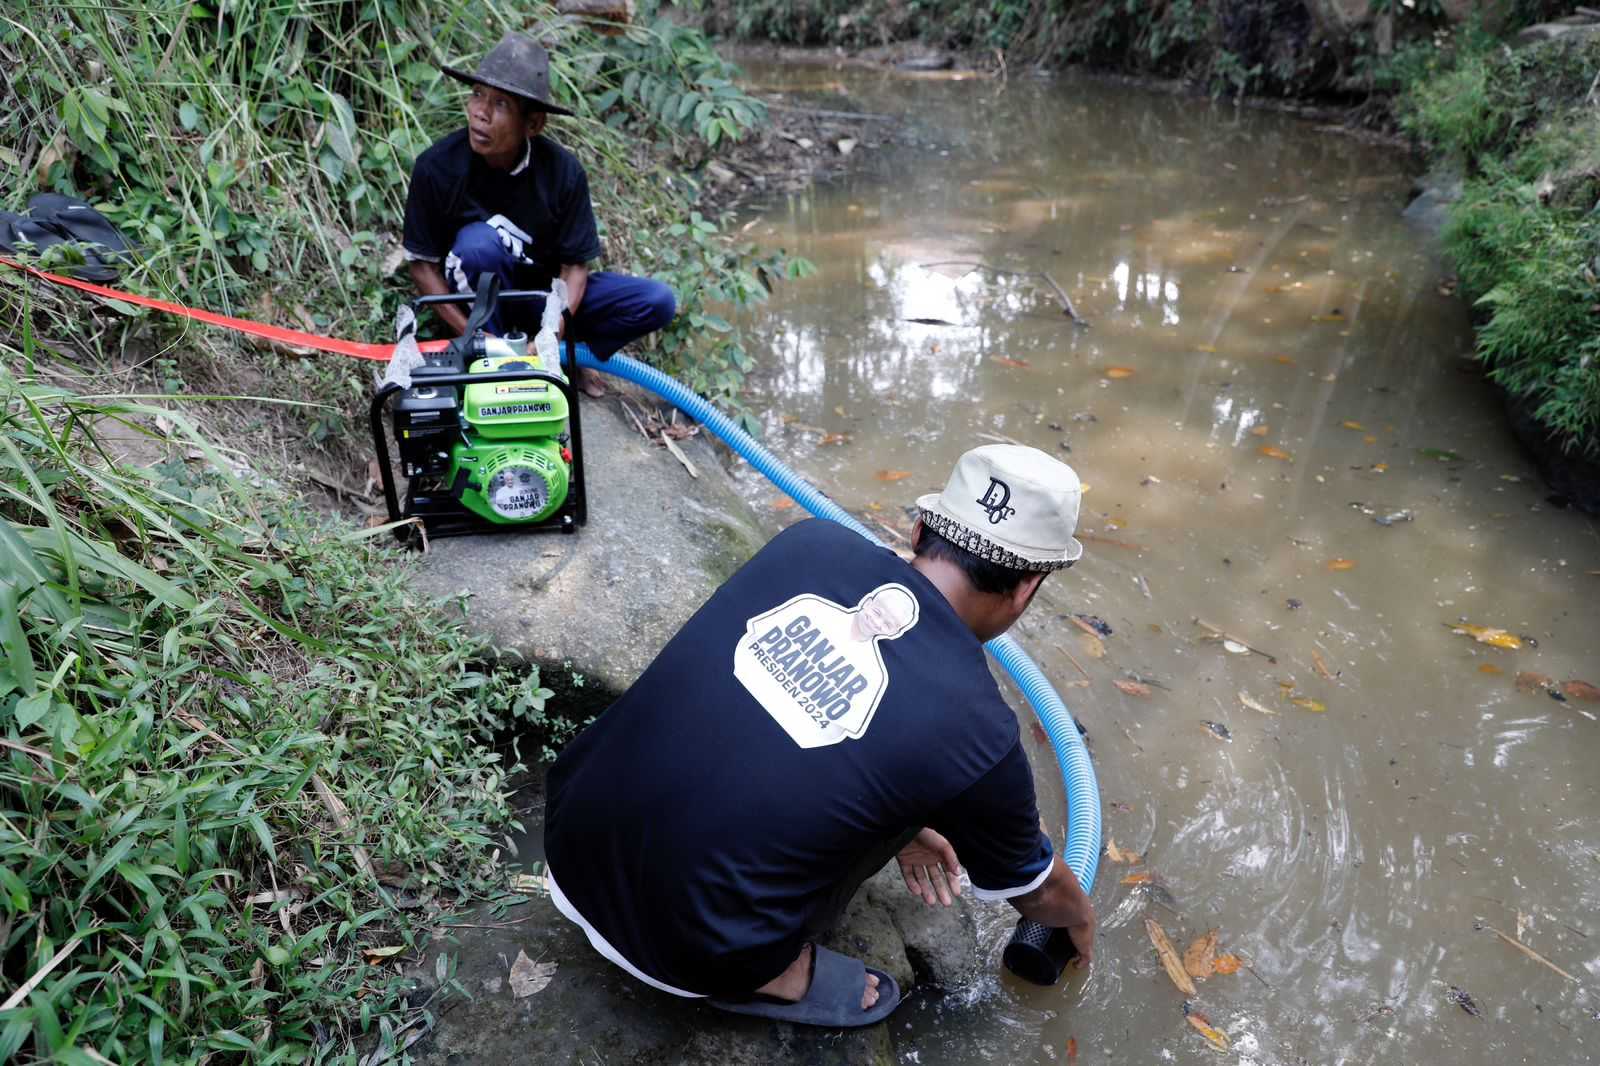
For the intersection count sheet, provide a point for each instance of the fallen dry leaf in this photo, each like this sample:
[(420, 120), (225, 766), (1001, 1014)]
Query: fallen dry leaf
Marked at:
[(1490, 635), (1118, 855), (1580, 690), (1143, 877), (1203, 1026), (1352, 425), (529, 977), (1378, 468), (1072, 1049), (1260, 431), (1320, 666), (1119, 371), (1093, 646), (1531, 682), (1369, 439), (1006, 360), (782, 503), (1489, 668), (1272, 451), (1283, 359), (1309, 704), (1200, 957), (1254, 704), (839, 410), (892, 475), (1340, 564), (834, 438), (1169, 958), (1227, 964), (1132, 688), (377, 955)]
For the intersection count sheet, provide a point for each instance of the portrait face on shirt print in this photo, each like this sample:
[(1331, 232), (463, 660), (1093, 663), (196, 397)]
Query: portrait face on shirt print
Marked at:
[(815, 666), (886, 611)]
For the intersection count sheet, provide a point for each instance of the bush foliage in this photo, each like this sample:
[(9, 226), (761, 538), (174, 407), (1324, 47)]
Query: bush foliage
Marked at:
[(1520, 126), (229, 740)]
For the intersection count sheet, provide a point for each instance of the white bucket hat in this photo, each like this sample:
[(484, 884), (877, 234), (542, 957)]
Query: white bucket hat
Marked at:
[(1011, 505)]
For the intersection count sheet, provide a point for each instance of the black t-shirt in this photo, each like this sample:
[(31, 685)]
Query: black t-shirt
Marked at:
[(541, 207), (825, 699)]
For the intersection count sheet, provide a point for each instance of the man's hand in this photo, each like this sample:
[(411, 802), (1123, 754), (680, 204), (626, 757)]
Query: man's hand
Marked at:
[(1061, 903), (930, 868)]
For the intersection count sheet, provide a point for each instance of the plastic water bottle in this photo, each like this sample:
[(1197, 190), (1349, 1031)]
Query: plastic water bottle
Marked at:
[(545, 345)]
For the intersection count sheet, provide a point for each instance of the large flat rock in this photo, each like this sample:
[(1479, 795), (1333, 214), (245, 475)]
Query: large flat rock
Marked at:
[(604, 600)]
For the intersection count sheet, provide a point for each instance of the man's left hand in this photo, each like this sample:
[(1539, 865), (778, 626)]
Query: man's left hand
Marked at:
[(930, 868)]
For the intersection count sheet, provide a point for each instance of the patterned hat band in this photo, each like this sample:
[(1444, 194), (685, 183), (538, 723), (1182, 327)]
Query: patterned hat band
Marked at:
[(984, 548)]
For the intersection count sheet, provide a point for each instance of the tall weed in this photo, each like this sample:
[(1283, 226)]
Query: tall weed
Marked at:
[(230, 741)]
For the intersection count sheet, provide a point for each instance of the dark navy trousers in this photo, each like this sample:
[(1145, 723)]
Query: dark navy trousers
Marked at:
[(616, 308)]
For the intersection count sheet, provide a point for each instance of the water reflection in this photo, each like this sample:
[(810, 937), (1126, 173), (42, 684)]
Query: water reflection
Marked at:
[(1267, 358)]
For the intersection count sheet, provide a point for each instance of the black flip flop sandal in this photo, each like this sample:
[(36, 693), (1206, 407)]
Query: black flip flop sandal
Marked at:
[(832, 1002)]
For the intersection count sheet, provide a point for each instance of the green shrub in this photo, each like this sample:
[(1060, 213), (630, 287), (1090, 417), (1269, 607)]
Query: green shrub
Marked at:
[(1524, 235), (198, 686)]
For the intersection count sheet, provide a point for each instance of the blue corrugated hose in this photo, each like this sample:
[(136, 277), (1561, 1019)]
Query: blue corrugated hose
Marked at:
[(1082, 850)]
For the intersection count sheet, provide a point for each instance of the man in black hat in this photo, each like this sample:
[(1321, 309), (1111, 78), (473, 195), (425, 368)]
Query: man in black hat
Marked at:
[(499, 197)]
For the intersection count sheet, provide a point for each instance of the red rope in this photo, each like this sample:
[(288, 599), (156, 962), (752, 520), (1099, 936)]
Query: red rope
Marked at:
[(294, 337)]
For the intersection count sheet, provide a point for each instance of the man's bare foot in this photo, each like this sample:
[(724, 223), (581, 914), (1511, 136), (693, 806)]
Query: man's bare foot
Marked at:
[(591, 384), (793, 983)]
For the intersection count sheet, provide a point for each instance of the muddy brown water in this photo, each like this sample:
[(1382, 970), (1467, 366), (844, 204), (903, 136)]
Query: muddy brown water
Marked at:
[(1270, 365)]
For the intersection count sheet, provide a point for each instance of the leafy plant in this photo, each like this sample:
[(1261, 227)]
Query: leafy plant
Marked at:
[(227, 738)]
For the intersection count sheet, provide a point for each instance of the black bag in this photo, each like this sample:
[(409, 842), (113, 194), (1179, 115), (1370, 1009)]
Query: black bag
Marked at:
[(54, 219)]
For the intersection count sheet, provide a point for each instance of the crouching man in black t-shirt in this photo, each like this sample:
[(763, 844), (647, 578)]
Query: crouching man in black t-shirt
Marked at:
[(827, 708), (498, 197)]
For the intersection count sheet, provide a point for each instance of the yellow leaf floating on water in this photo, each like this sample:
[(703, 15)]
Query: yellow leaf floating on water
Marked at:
[(1132, 688), (892, 475), (1352, 425), (1169, 958), (1369, 439), (1254, 704), (1118, 855), (1309, 704), (1143, 877), (1490, 635), (1119, 371), (1341, 564), (1284, 360), (1093, 646), (1200, 957), (1321, 666), (1489, 668), (1260, 431), (782, 503), (1227, 964), (1274, 452), (1203, 1026), (1378, 468)]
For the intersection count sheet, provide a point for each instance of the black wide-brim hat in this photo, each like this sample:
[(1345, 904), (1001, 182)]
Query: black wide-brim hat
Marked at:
[(519, 66)]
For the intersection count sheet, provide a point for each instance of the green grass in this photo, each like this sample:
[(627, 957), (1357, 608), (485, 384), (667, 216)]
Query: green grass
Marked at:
[(188, 665)]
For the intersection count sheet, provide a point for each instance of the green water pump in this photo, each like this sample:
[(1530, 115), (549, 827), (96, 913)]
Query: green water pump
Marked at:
[(488, 435)]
